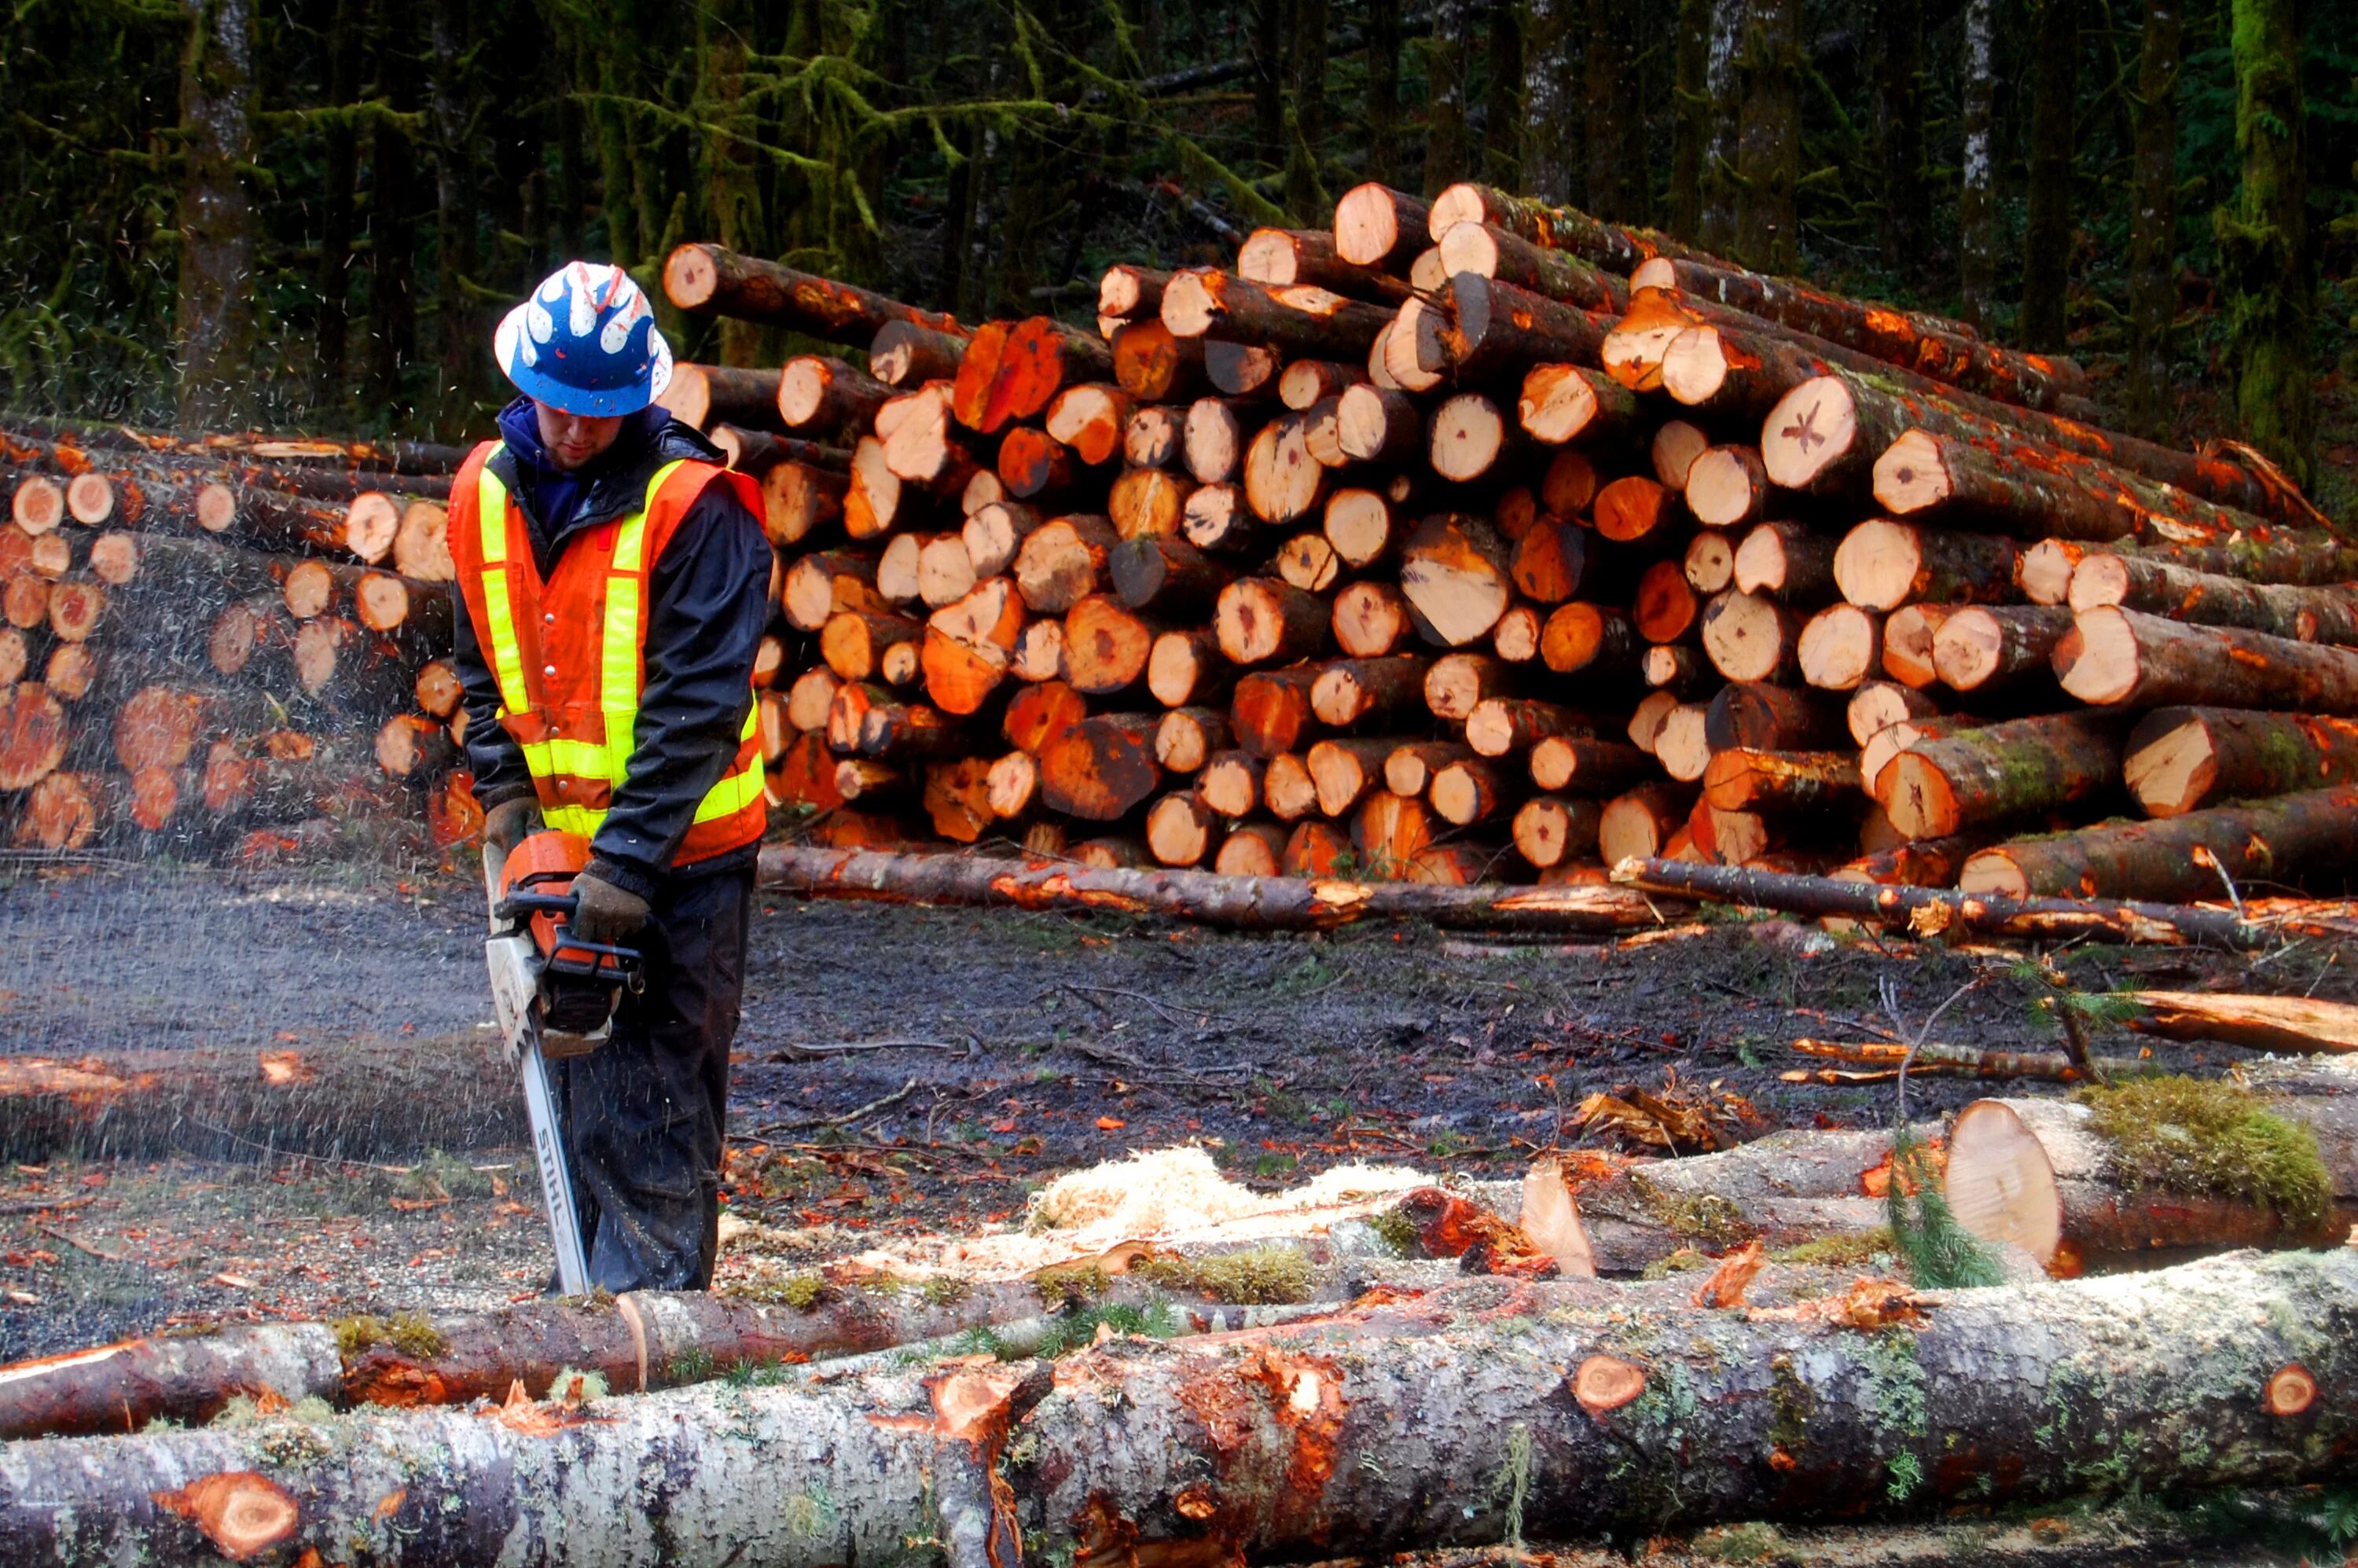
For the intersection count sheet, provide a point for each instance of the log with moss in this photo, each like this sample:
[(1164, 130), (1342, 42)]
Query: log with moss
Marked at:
[(2123, 658), (2158, 1164), (1495, 1408)]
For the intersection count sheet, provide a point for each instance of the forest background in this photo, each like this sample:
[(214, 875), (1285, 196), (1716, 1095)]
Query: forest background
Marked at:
[(310, 213)]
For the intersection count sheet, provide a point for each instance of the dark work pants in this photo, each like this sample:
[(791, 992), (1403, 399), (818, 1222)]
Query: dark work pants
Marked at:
[(643, 1113)]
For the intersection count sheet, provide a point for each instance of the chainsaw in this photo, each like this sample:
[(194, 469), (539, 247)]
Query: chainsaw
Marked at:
[(555, 994)]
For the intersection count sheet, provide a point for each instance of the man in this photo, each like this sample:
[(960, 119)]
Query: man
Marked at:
[(617, 582)]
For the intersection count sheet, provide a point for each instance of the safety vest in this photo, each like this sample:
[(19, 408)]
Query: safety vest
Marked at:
[(569, 653)]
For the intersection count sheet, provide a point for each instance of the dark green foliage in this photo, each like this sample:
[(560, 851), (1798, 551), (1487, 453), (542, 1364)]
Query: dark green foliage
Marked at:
[(406, 170)]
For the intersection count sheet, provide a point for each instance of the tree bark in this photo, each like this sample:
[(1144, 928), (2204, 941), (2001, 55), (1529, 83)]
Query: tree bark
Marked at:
[(870, 1460), (1932, 346), (339, 171), (2325, 614), (2285, 1025), (2264, 256), (1383, 91), (2153, 230), (2047, 224), (1548, 49), (1692, 117), (1977, 184), (1768, 155), (1501, 159), (1903, 215), (212, 311), (1716, 230), (1448, 63)]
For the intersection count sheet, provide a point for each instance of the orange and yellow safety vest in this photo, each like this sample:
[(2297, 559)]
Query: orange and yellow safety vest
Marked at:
[(569, 653)]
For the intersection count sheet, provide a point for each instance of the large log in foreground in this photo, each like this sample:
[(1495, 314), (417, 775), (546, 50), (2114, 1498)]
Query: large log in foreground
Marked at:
[(1931, 911), (1242, 903), (1379, 1428)]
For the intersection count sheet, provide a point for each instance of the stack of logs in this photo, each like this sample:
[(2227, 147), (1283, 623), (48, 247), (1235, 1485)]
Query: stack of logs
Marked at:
[(1482, 539), (226, 645)]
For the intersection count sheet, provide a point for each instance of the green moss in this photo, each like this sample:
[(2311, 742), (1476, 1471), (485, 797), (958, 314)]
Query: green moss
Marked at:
[(1071, 1286), (946, 1291), (1397, 1231), (2211, 1137), (410, 1332), (1704, 1219), (693, 1364), (1852, 1251), (1268, 1275), (593, 1384), (1679, 1262), (439, 1177), (1739, 1542)]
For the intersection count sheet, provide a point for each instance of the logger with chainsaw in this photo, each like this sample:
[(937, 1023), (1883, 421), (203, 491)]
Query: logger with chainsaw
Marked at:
[(615, 576)]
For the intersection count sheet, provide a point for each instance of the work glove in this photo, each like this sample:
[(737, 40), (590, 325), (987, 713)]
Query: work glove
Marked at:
[(605, 913), (505, 825)]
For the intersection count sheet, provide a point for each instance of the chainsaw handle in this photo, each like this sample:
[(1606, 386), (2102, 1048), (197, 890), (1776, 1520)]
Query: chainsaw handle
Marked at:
[(495, 865), (628, 965)]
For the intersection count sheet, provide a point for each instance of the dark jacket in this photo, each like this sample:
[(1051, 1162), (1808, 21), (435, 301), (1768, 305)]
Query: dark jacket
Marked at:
[(711, 602)]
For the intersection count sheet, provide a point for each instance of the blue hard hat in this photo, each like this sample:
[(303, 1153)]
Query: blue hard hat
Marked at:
[(585, 343)]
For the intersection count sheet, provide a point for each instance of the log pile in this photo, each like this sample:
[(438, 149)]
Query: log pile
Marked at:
[(1479, 540), (232, 646)]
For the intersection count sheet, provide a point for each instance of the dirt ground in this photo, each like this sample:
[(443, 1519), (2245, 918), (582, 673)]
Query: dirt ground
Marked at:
[(898, 1071), (906, 1071)]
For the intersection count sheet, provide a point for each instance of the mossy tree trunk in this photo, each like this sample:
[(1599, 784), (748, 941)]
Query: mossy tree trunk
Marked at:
[(213, 313), (1904, 217), (1977, 176), (1383, 89), (2047, 225), (1270, 19), (1447, 64), (393, 227), (2264, 239), (1502, 114), (339, 152), (1769, 154), (460, 343), (1692, 117), (2153, 280), (1305, 192), (1548, 49), (1603, 64), (1715, 229), (731, 167)]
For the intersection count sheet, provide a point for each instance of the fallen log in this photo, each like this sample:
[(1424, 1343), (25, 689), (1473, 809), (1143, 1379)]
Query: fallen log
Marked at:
[(1239, 903), (2161, 1164), (718, 281), (1297, 322), (2120, 657), (1826, 433), (2321, 614), (2178, 758), (1928, 345), (1931, 911), (2297, 1025), (1936, 1060), (2215, 852), (1115, 1445), (1993, 773)]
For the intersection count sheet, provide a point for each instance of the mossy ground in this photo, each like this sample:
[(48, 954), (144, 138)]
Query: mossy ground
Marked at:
[(1271, 1275)]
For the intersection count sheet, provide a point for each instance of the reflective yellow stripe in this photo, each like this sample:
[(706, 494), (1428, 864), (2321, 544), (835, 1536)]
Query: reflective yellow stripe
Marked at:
[(618, 668), (492, 529), (731, 794)]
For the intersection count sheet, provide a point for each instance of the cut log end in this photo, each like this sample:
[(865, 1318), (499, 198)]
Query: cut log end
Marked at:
[(2000, 1182), (691, 276), (1809, 429), (1910, 476), (1605, 1383), (2291, 1390)]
